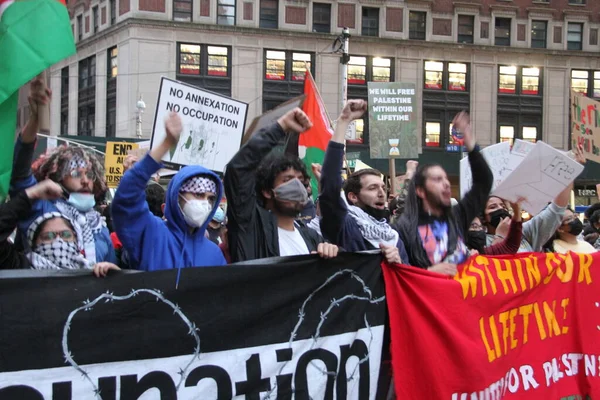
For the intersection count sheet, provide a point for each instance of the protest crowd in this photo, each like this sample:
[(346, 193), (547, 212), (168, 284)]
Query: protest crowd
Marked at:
[(57, 217)]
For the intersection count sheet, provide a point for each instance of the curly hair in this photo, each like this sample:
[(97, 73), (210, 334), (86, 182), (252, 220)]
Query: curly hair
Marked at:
[(54, 165), (273, 165)]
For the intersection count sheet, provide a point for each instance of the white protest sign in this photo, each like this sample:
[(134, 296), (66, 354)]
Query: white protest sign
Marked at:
[(497, 157), (213, 125), (539, 178)]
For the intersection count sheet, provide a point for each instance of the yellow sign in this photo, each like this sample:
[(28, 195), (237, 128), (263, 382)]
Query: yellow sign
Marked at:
[(113, 161)]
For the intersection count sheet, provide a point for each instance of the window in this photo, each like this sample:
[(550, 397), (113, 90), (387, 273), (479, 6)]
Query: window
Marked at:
[(111, 91), (577, 2), (112, 64), (466, 24), (321, 17), (226, 12), (529, 134), (370, 21), (502, 32), (361, 70), (508, 80), (86, 118), (507, 133), (539, 34), (522, 127), (275, 65), (574, 36), (269, 14), (79, 27), (113, 11), (182, 10), (586, 82), (530, 83), (205, 66), (432, 134), (416, 25), (445, 76), (285, 65), (64, 101), (95, 18)]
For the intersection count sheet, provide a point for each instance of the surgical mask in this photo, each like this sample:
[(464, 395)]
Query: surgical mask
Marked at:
[(293, 190), (196, 212), (497, 216), (83, 202), (476, 240), (575, 227)]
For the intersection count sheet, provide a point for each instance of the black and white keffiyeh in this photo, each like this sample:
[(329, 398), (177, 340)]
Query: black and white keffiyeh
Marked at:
[(89, 223), (199, 184), (374, 231), (59, 254)]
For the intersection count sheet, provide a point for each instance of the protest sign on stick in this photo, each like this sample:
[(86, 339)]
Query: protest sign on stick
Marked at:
[(113, 161), (213, 125)]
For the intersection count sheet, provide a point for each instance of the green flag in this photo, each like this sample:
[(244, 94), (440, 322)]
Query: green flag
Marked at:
[(34, 34)]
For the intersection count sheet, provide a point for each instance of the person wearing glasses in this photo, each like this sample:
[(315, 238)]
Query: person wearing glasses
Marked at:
[(477, 235), (79, 172), (565, 238)]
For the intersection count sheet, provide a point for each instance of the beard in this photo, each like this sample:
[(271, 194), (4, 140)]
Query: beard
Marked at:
[(376, 212), (436, 202), (286, 210)]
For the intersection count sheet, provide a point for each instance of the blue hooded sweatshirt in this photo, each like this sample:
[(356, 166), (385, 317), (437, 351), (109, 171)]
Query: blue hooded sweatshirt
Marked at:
[(154, 244)]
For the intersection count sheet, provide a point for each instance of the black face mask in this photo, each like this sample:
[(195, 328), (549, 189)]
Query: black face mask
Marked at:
[(476, 240), (575, 227), (497, 216), (377, 213)]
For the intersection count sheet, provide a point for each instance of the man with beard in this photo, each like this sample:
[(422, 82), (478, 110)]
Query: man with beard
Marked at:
[(358, 222), (433, 230), (266, 195)]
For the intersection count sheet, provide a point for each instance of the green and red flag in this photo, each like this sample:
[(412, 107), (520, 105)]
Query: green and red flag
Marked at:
[(34, 34), (313, 143)]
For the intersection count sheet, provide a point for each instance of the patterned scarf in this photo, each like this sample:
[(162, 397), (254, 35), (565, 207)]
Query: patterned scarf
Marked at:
[(374, 231), (199, 184), (90, 223)]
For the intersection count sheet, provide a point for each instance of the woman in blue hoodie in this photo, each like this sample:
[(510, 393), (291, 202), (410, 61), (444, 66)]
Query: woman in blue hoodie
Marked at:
[(193, 197)]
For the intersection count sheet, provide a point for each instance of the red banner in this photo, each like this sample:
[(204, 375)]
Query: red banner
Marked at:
[(514, 327)]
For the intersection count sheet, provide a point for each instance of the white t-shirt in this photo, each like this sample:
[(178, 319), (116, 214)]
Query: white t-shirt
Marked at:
[(291, 243)]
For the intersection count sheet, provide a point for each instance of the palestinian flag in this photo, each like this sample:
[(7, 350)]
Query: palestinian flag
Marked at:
[(313, 143), (34, 34)]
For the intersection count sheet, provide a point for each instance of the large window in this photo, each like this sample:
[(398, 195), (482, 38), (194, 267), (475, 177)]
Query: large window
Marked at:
[(586, 82), (182, 10), (445, 94), (577, 2), (446, 76), (370, 21), (502, 32), (269, 14), (111, 91), (361, 70), (321, 17), (466, 24), (86, 117), (575, 36), (519, 80), (524, 127), (95, 18), (205, 66), (226, 12), (416, 25), (64, 101), (539, 34)]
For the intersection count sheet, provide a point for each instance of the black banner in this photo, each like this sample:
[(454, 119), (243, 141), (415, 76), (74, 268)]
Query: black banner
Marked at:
[(298, 328)]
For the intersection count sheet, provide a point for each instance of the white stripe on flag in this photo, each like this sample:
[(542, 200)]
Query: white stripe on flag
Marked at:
[(4, 5)]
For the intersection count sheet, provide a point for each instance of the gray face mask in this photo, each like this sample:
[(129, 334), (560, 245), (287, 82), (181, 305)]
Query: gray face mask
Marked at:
[(293, 190)]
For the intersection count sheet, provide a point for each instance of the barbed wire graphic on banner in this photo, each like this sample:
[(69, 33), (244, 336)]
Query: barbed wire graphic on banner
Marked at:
[(334, 303), (108, 297)]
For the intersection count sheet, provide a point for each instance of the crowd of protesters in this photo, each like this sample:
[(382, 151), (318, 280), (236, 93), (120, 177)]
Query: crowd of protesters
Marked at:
[(54, 208)]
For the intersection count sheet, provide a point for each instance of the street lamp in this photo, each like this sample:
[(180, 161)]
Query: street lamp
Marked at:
[(141, 106)]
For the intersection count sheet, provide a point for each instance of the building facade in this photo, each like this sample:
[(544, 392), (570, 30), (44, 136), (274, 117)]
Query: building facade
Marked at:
[(511, 63)]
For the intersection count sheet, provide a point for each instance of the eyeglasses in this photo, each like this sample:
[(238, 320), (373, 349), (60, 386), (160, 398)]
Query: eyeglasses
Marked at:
[(78, 174), (67, 235), (476, 227)]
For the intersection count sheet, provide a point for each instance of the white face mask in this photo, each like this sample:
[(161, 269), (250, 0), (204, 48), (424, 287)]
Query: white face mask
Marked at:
[(195, 212)]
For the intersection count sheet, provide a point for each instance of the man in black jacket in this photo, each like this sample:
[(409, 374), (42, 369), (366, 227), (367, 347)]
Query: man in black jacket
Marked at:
[(433, 231), (264, 197)]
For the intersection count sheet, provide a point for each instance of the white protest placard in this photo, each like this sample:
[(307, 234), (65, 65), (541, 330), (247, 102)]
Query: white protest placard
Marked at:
[(213, 125), (497, 157), (539, 178)]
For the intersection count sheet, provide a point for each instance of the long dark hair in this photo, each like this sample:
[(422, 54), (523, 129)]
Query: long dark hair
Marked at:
[(549, 246)]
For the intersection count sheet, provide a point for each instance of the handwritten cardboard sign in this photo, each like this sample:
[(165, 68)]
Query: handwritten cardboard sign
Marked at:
[(497, 157), (539, 178), (585, 125)]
